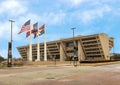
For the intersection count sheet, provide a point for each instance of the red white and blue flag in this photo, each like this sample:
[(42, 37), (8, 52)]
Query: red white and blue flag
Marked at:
[(25, 27), (28, 33), (40, 31), (34, 30)]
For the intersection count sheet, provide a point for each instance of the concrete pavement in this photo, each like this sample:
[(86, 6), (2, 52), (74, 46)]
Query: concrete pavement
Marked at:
[(62, 74)]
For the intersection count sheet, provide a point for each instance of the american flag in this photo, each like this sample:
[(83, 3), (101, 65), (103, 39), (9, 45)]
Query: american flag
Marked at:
[(25, 27)]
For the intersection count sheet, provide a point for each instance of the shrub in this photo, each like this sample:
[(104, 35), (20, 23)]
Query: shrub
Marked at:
[(1, 59)]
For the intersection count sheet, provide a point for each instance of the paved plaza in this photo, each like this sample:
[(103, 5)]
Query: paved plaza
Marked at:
[(61, 75)]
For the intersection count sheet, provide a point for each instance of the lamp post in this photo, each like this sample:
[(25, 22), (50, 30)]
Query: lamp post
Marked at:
[(11, 21), (10, 47), (74, 49), (73, 35)]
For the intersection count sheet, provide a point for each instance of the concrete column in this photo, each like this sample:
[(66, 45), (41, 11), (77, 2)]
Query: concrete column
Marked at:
[(62, 54), (81, 55), (27, 53)]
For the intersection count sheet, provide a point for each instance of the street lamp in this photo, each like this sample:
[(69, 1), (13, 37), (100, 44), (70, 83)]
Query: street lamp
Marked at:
[(10, 47), (73, 35), (74, 48), (11, 21)]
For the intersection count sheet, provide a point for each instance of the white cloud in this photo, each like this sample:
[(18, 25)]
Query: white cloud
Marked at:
[(72, 3), (95, 10), (4, 29), (12, 7), (49, 18), (76, 2), (53, 18), (89, 15)]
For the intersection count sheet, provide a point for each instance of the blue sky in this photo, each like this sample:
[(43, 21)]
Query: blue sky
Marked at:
[(87, 16)]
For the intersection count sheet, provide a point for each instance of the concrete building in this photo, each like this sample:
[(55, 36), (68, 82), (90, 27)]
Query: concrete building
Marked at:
[(90, 47)]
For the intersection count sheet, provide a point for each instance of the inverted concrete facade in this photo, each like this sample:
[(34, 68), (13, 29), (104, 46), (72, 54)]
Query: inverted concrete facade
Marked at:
[(90, 47)]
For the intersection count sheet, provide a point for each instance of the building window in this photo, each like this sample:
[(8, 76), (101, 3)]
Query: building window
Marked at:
[(69, 44)]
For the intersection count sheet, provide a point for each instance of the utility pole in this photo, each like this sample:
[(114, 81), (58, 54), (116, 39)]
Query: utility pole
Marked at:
[(74, 49), (10, 47)]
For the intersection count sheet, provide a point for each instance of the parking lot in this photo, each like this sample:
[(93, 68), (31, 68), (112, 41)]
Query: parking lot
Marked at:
[(61, 74)]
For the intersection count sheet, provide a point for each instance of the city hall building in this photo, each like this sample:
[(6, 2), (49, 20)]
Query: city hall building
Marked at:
[(90, 47)]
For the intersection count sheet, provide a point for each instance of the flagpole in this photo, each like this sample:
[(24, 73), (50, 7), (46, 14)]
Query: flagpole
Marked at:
[(30, 45), (38, 48), (45, 53)]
